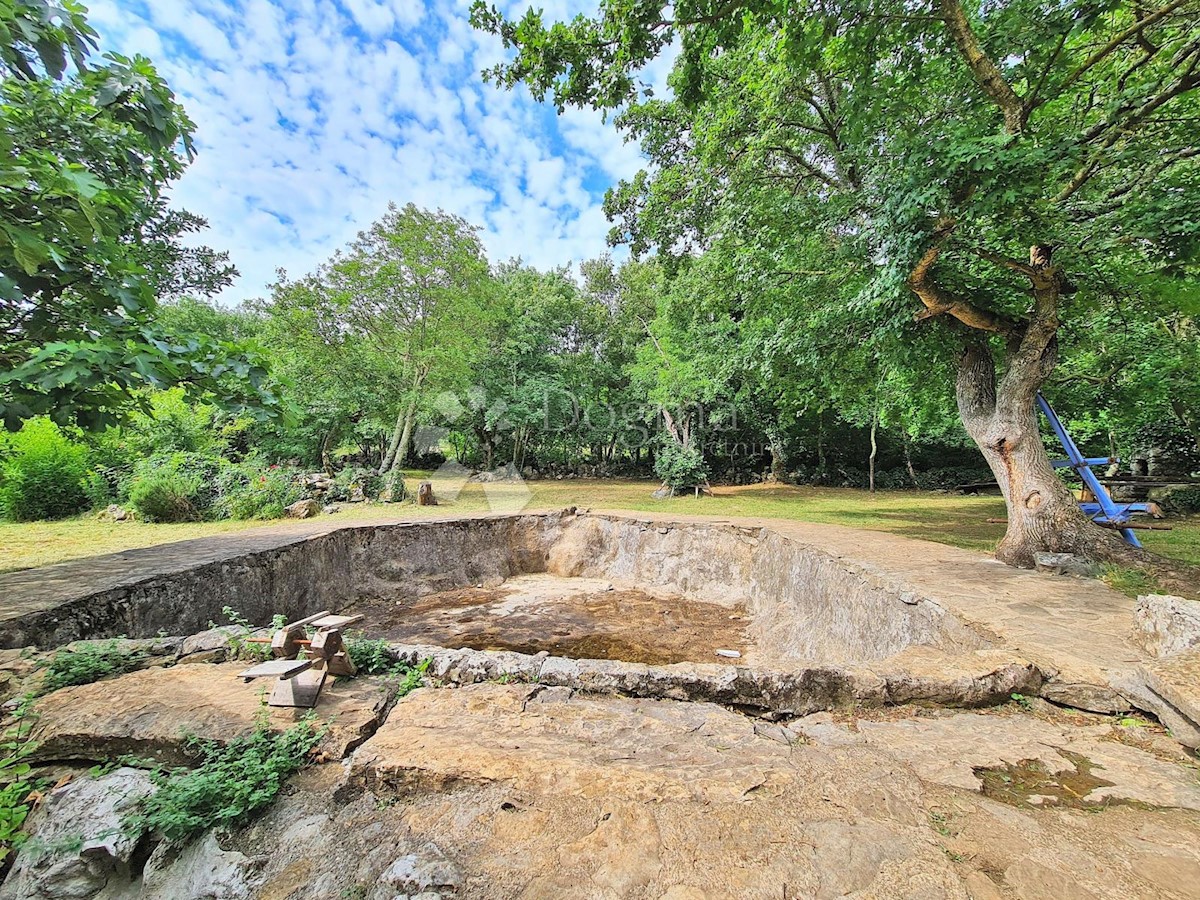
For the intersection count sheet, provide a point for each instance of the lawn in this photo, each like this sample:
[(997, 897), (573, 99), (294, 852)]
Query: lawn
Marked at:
[(960, 521)]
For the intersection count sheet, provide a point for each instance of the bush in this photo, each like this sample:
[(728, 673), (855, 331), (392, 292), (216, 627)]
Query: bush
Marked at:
[(228, 784), (680, 468), (394, 489), (1182, 501), (165, 496), (89, 663), (43, 475), (252, 491), (368, 480)]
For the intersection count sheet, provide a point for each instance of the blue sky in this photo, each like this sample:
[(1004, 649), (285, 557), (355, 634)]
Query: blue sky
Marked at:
[(312, 114)]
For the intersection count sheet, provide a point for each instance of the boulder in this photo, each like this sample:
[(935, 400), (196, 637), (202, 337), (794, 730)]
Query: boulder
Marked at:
[(303, 509), (78, 843), (200, 870), (206, 642), (1164, 625), (149, 713), (116, 513)]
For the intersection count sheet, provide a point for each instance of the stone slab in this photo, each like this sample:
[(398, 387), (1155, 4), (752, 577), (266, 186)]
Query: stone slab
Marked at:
[(150, 713)]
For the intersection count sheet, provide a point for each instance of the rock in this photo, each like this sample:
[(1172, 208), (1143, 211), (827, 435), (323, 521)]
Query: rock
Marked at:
[(1170, 689), (203, 657), (78, 843), (1164, 625), (417, 872), (303, 509), (661, 494), (1065, 564), (215, 639), (116, 513), (1090, 697), (150, 712), (955, 750), (331, 509), (357, 495), (201, 870)]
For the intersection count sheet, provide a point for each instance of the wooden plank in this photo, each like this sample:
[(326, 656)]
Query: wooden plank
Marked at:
[(301, 691), (336, 621), (276, 668), (307, 620)]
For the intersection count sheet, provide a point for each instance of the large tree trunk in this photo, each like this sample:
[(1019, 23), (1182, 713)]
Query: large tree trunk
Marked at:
[(394, 444), (1043, 515), (410, 417)]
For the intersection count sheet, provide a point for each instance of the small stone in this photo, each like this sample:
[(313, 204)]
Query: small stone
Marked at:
[(1065, 564), (116, 513), (331, 509)]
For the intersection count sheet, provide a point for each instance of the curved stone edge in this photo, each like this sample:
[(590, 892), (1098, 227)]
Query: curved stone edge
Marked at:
[(773, 693)]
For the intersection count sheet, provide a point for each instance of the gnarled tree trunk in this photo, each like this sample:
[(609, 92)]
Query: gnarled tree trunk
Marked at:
[(1001, 418)]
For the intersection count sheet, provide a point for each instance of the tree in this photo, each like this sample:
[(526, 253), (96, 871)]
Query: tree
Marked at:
[(1002, 167), (85, 235)]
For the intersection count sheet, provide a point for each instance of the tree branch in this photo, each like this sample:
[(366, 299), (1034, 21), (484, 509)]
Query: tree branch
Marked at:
[(1112, 46), (986, 72), (939, 301), (1005, 261)]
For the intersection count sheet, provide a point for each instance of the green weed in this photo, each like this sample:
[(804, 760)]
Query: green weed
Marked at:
[(15, 785), (89, 663), (229, 783)]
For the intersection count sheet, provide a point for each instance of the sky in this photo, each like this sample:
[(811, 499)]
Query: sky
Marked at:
[(311, 115)]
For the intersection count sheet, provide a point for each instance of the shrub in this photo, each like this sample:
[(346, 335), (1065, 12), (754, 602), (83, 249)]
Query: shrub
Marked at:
[(394, 489), (252, 491), (43, 476), (1182, 501), (228, 784), (89, 663), (680, 468), (368, 480), (165, 496)]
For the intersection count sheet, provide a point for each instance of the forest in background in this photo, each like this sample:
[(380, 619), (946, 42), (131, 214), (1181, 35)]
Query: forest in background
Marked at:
[(409, 348)]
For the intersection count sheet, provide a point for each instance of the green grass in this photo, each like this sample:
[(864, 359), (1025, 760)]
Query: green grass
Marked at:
[(960, 521)]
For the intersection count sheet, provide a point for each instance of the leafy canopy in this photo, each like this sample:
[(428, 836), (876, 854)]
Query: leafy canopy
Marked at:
[(87, 150)]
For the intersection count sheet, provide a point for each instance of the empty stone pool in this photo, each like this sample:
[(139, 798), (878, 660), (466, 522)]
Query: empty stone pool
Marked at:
[(580, 618), (681, 591), (616, 602)]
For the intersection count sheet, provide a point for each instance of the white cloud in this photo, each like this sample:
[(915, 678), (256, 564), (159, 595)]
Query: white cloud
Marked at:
[(313, 114)]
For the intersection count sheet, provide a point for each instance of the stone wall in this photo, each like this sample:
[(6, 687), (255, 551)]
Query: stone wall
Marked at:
[(804, 603)]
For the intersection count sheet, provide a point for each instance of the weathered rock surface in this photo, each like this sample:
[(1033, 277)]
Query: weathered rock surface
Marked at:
[(1170, 689), (536, 792), (924, 675), (150, 713), (1165, 625), (200, 871), (954, 749), (77, 843)]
